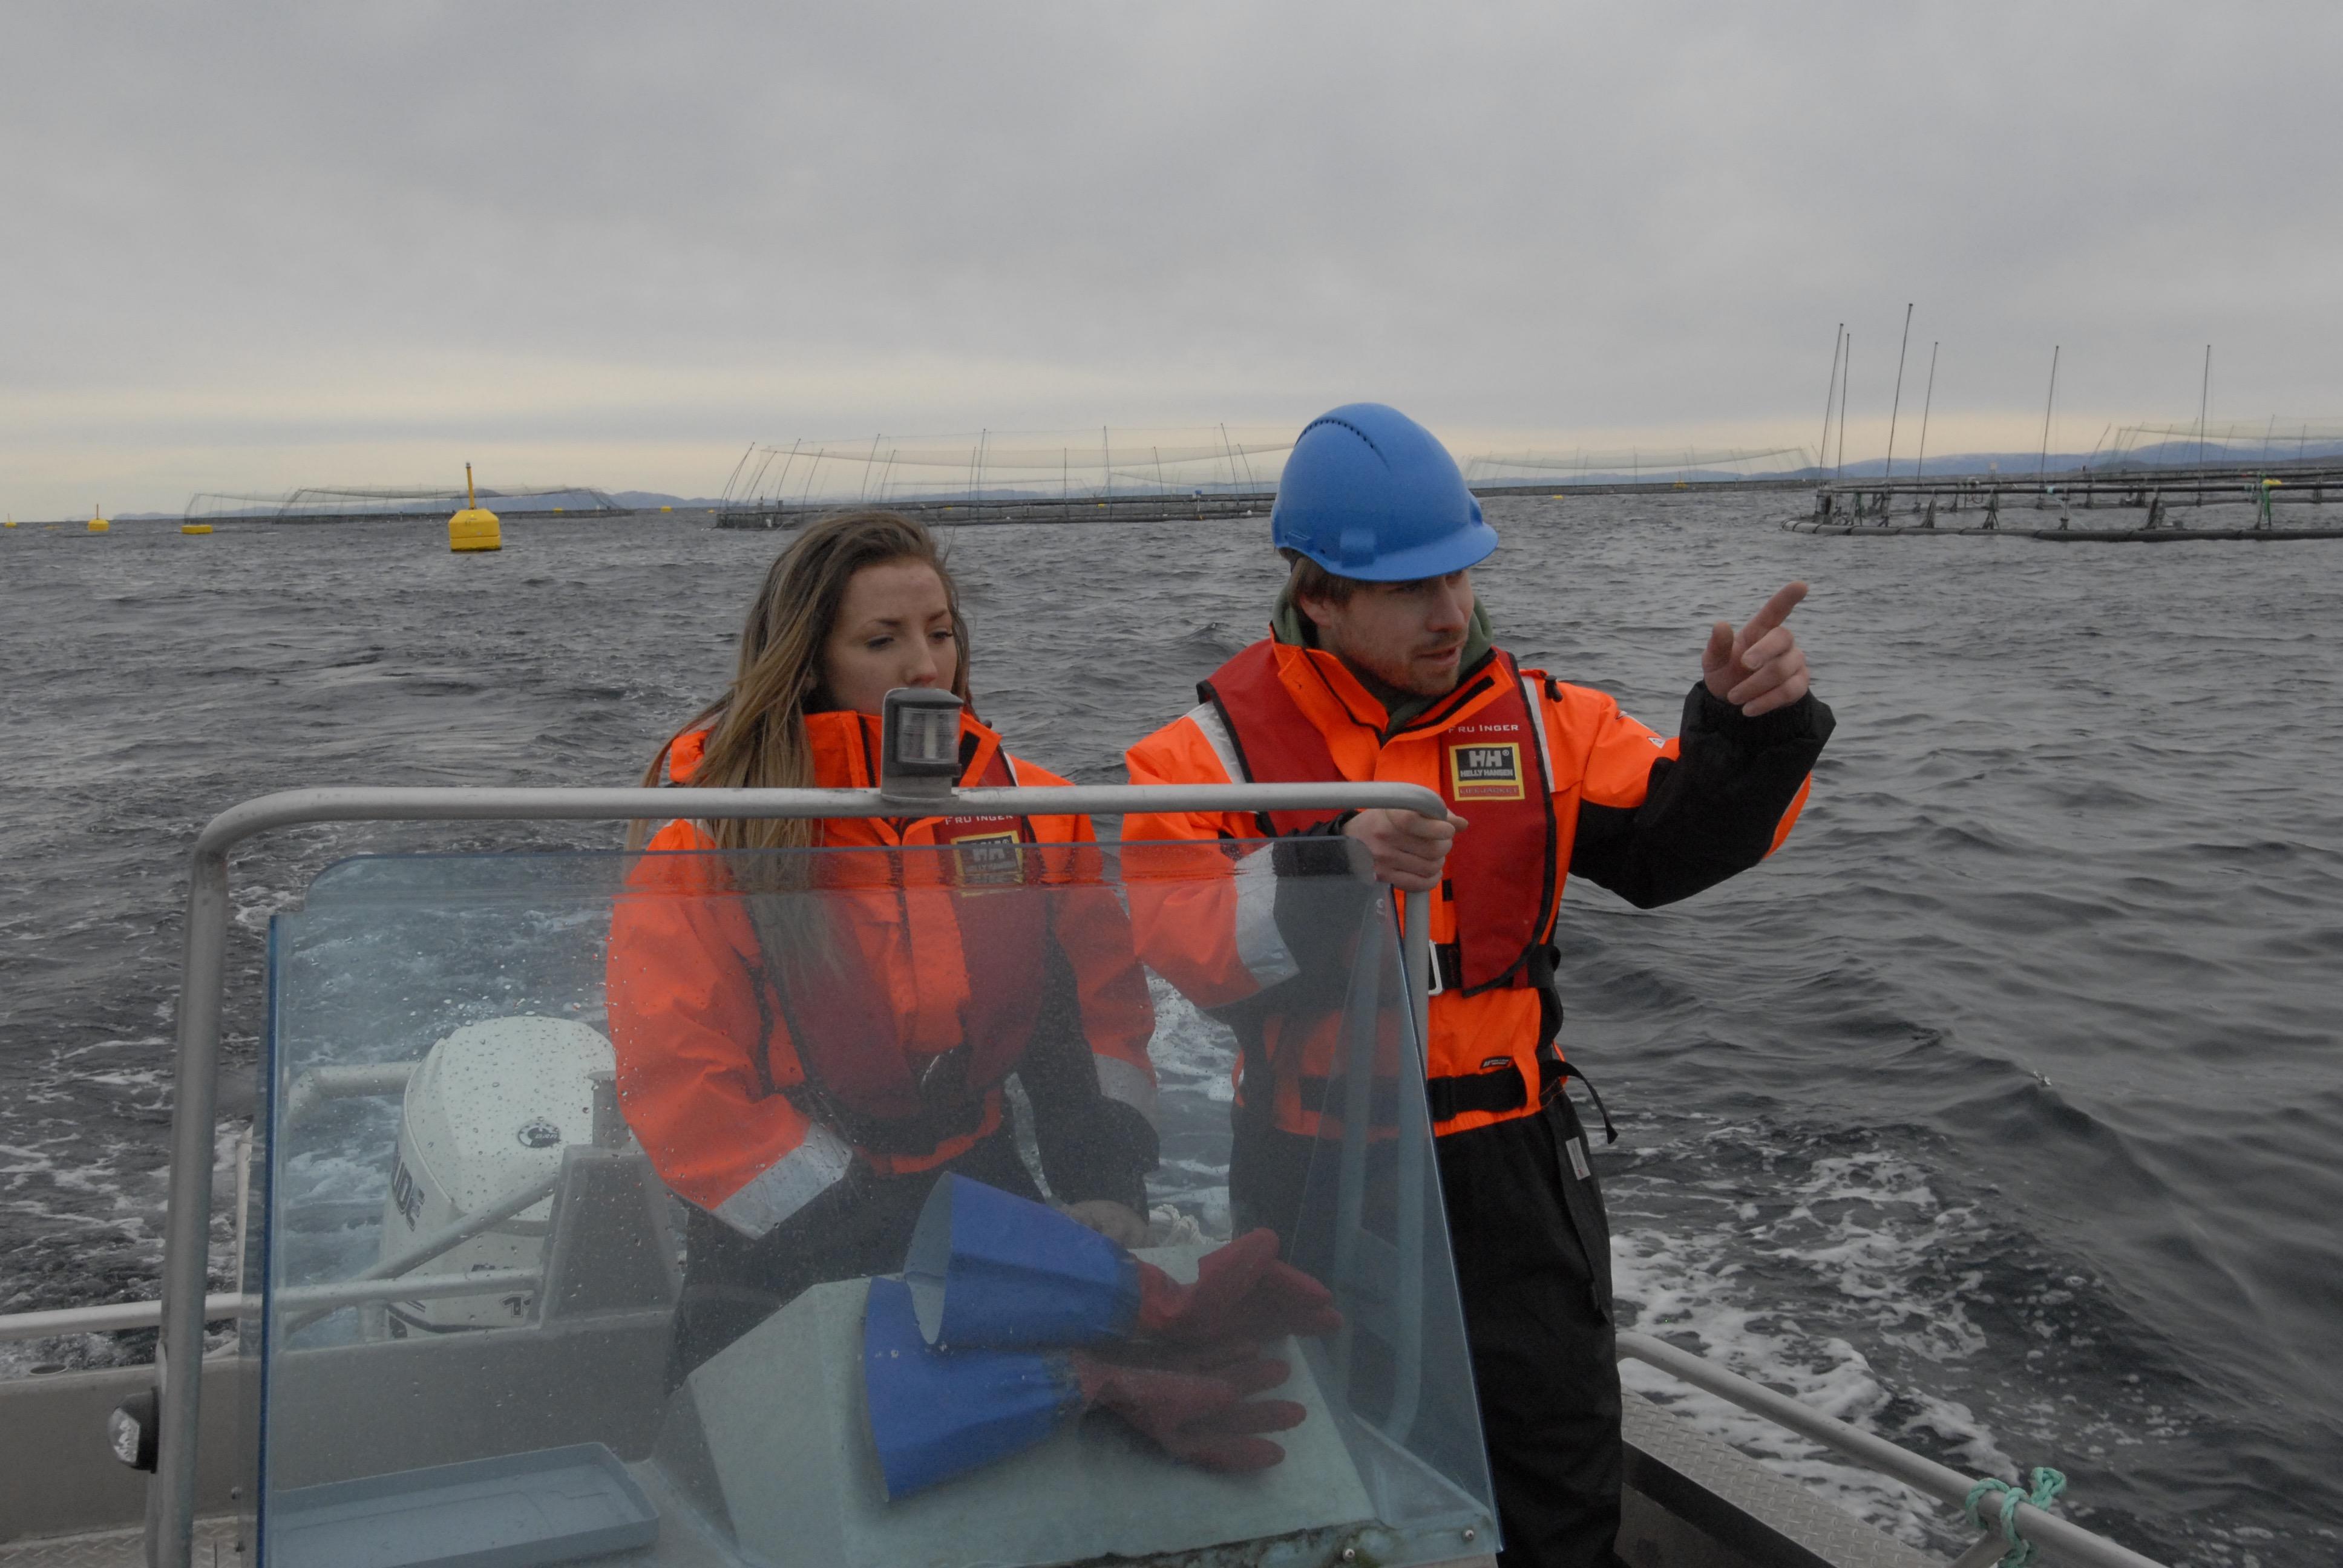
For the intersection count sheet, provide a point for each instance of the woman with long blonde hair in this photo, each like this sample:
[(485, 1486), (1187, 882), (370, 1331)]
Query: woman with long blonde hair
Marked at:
[(807, 1041)]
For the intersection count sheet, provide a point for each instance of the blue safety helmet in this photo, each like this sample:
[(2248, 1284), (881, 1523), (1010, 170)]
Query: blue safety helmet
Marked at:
[(1371, 494)]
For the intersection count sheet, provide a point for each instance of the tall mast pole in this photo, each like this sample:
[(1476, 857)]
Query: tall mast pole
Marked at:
[(1830, 401), (2042, 463), (2204, 403), (781, 494), (1846, 374), (1898, 406), (1921, 468)]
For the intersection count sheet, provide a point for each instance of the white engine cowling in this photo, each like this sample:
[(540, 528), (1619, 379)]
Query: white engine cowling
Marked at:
[(487, 1113)]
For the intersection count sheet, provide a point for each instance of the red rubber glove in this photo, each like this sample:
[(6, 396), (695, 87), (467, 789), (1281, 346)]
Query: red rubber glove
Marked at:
[(1242, 1292), (1195, 1407)]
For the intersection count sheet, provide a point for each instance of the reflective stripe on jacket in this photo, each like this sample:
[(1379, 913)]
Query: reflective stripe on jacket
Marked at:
[(919, 1011), (1652, 818)]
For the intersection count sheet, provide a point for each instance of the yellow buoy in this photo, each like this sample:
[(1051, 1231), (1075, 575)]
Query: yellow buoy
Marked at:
[(194, 527), (9, 524), (97, 523), (474, 528), (662, 508)]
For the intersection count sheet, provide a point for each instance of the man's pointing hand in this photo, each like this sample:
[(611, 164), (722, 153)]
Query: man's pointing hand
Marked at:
[(1760, 667)]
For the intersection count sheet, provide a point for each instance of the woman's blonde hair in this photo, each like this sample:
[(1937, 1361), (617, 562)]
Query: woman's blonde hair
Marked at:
[(756, 730)]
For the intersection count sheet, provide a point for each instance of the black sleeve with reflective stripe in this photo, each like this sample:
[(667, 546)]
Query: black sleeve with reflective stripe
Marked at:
[(1711, 812), (1091, 1146)]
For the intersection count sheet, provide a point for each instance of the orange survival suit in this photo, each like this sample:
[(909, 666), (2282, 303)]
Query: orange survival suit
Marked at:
[(1555, 782), (802, 1100)]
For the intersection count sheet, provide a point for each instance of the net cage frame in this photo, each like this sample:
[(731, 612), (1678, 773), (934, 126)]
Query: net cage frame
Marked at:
[(362, 502), (2275, 441), (1550, 467), (995, 466)]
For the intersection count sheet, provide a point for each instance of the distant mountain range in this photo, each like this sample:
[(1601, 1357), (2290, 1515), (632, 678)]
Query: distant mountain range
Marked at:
[(2163, 455), (652, 500)]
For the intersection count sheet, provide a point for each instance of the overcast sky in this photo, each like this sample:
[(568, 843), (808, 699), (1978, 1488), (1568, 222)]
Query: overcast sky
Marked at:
[(250, 247)]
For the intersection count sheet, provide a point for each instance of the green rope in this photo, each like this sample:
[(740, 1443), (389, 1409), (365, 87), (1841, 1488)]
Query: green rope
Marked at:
[(2047, 1484)]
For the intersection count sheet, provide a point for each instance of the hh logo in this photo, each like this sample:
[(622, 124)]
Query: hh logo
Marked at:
[(989, 858), (1485, 772)]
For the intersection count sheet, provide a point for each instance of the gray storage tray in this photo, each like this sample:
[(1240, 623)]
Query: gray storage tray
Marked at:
[(514, 1510)]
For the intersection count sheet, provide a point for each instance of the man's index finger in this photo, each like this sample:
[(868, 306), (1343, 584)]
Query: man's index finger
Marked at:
[(1777, 610)]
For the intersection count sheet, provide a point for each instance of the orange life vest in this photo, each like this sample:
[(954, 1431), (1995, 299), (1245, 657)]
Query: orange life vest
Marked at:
[(1493, 770)]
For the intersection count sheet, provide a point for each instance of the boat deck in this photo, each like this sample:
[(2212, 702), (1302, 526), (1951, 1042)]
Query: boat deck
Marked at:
[(216, 1547), (1693, 1501), (1696, 1502)]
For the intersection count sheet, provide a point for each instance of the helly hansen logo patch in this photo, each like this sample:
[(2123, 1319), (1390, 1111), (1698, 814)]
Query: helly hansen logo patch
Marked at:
[(1578, 1166), (989, 858), (1485, 772)]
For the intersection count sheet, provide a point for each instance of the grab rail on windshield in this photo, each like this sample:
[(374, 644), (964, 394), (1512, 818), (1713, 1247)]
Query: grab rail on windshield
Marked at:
[(178, 1349)]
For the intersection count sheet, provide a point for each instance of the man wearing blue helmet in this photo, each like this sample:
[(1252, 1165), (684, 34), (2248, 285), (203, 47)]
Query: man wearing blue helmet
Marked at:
[(1381, 666)]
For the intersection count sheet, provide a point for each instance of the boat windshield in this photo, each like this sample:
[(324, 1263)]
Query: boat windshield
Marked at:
[(1001, 1202)]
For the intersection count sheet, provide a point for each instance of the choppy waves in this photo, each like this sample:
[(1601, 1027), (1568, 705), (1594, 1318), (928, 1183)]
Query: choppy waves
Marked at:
[(1996, 1114)]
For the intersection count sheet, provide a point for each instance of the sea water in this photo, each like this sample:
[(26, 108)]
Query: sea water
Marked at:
[(1998, 1112)]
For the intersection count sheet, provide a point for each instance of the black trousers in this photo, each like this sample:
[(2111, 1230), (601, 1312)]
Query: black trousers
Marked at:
[(1533, 1253), (1533, 1267)]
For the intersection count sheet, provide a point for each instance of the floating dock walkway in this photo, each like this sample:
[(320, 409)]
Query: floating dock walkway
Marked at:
[(1975, 503)]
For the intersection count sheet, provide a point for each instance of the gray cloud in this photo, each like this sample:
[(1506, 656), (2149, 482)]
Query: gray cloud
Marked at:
[(262, 246)]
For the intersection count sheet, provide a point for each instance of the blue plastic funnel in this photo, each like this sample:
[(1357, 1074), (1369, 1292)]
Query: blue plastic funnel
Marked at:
[(989, 1269), (935, 1415)]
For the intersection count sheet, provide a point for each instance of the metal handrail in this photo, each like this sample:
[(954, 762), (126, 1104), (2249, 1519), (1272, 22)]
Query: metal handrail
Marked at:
[(1923, 1474), (226, 1307), (321, 1084), (171, 1498), (444, 1240)]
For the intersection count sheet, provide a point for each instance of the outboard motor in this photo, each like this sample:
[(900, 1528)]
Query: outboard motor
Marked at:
[(488, 1113)]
